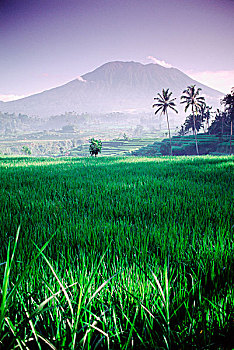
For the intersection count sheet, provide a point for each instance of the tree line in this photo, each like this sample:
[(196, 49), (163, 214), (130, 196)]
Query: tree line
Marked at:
[(201, 113)]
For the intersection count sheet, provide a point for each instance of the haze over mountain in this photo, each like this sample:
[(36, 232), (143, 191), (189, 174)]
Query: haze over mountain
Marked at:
[(113, 87)]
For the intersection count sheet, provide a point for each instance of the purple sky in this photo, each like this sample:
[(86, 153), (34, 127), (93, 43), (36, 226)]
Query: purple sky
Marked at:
[(45, 43)]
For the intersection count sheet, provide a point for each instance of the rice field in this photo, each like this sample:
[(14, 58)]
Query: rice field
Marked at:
[(114, 147), (116, 253)]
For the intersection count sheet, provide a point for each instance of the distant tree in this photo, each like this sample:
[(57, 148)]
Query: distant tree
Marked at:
[(189, 124), (68, 129), (164, 102), (26, 150), (221, 124), (73, 143), (206, 115), (125, 137), (228, 102), (222, 115), (192, 99), (95, 147), (181, 132)]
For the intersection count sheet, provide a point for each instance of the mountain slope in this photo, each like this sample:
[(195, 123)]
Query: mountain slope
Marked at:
[(115, 86)]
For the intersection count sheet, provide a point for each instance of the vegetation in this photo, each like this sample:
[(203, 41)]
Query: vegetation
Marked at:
[(192, 99), (185, 145), (206, 115), (189, 124), (11, 123), (26, 150), (228, 102), (116, 253), (95, 147), (201, 121), (220, 124), (70, 132), (116, 147), (164, 102)]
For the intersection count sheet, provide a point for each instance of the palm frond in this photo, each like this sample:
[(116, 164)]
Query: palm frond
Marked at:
[(159, 100), (169, 95), (171, 104), (185, 97), (158, 110), (164, 101), (191, 98), (165, 92), (173, 108), (161, 97), (157, 105)]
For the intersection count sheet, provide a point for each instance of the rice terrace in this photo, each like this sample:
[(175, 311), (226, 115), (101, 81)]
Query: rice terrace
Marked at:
[(117, 253)]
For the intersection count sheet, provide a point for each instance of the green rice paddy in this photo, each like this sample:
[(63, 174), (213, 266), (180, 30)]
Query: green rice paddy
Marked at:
[(116, 253)]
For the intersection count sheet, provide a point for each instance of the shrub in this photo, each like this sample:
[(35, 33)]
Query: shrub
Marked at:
[(95, 147), (26, 150)]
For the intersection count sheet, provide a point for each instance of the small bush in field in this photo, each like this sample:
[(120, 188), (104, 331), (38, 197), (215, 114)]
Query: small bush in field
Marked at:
[(95, 147), (26, 150)]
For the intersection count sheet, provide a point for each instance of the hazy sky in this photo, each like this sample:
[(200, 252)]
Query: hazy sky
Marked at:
[(46, 43)]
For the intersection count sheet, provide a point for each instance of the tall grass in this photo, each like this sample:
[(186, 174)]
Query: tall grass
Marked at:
[(116, 253)]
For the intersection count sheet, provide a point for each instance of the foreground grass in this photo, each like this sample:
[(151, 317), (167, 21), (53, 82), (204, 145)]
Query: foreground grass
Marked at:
[(140, 253)]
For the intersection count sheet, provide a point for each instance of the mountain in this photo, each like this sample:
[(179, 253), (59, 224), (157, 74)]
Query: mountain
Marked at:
[(113, 87)]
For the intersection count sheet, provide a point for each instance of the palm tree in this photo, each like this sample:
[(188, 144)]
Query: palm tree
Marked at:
[(228, 102), (220, 115), (188, 124), (164, 102), (205, 112), (191, 98)]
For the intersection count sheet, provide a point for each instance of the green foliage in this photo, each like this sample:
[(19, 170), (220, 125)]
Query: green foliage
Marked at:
[(186, 145), (163, 103), (221, 124), (26, 150), (192, 99), (95, 147), (165, 148), (228, 102), (152, 150), (189, 124), (140, 258)]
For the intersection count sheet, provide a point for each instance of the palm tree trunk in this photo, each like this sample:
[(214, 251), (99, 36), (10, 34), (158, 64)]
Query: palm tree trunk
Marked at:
[(195, 132), (231, 139), (160, 123), (208, 126), (169, 132), (222, 124)]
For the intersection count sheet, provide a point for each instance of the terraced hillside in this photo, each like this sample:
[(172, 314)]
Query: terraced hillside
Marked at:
[(185, 145), (115, 147)]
